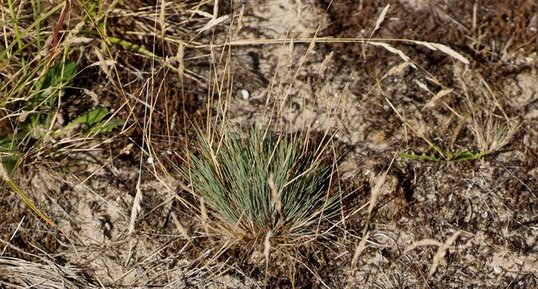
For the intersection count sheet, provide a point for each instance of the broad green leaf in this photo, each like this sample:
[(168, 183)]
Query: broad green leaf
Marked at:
[(91, 118), (51, 86), (94, 123), (105, 126), (61, 73)]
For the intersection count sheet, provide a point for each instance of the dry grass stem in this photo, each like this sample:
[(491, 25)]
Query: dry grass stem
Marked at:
[(354, 261), (135, 209), (204, 216), (379, 181), (182, 230), (441, 251), (433, 46)]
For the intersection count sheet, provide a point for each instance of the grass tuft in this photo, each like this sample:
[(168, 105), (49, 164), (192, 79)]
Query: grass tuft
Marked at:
[(258, 185)]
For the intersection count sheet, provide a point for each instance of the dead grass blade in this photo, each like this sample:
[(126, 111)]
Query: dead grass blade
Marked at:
[(430, 45), (441, 250), (182, 230), (391, 49), (45, 273), (443, 48), (377, 25), (13, 235), (213, 22), (376, 191), (438, 96), (136, 206), (5, 177), (44, 265), (358, 251), (205, 217)]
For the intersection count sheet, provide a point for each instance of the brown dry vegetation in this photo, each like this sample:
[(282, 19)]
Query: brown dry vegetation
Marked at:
[(427, 77)]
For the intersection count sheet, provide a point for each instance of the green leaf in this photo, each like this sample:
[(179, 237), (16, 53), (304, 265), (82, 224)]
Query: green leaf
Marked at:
[(467, 156), (59, 74), (105, 126), (421, 157), (450, 157), (51, 86), (131, 46), (91, 118), (11, 162), (94, 122), (9, 157)]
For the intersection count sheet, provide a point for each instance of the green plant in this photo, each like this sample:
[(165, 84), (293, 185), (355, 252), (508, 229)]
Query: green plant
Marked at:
[(258, 185), (437, 154), (39, 110), (92, 122), (32, 115), (24, 78), (35, 73)]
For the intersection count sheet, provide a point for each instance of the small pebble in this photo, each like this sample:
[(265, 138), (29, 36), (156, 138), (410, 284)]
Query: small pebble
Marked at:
[(245, 94)]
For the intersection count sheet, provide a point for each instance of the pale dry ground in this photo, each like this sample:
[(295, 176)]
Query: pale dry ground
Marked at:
[(453, 203), (455, 225)]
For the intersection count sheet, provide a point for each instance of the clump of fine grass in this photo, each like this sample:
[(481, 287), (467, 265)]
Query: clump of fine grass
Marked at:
[(490, 133), (258, 185)]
